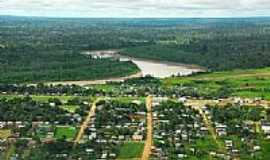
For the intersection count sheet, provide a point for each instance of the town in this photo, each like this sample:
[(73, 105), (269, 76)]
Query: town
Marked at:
[(74, 122)]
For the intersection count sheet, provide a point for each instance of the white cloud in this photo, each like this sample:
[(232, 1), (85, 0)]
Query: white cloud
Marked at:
[(135, 8)]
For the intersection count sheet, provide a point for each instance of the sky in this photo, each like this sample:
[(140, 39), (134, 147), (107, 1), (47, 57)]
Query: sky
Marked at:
[(136, 8)]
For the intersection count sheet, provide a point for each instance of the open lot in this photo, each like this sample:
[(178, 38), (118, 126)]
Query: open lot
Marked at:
[(4, 133), (131, 150), (65, 132)]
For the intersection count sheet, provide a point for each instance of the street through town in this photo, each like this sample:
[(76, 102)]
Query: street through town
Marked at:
[(86, 122), (149, 137)]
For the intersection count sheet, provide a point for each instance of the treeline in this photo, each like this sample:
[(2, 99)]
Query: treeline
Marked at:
[(216, 47), (41, 50), (43, 66), (27, 110), (47, 49)]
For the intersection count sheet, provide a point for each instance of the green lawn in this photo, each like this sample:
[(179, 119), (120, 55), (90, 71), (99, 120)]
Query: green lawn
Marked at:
[(69, 108), (130, 150), (42, 98), (46, 98), (265, 149), (129, 99), (10, 151), (5, 133), (65, 131), (204, 145), (9, 96)]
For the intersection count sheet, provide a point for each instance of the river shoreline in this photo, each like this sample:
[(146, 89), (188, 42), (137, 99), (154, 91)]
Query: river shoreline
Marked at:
[(101, 81), (115, 53), (155, 68)]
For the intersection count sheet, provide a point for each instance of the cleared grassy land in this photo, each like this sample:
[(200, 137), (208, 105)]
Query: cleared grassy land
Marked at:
[(65, 132), (41, 98), (46, 98), (9, 96), (205, 146), (129, 99), (131, 150), (244, 83), (11, 150), (265, 154), (226, 75), (5, 133), (69, 108)]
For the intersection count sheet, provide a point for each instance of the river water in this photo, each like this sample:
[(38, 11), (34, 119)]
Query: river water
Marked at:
[(157, 69), (162, 69)]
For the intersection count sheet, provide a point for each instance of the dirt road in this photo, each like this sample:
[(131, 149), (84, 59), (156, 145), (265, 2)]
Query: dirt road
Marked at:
[(149, 136), (87, 120), (208, 124)]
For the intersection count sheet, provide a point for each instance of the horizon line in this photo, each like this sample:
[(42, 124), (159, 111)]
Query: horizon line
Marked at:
[(101, 17)]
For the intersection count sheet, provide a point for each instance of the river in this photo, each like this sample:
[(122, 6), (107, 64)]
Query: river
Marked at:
[(158, 69), (164, 69)]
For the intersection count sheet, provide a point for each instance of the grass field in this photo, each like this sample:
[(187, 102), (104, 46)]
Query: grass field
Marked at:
[(205, 145), (249, 83), (44, 98), (65, 131), (5, 133), (9, 96), (10, 151), (265, 153), (130, 150), (69, 108), (129, 99)]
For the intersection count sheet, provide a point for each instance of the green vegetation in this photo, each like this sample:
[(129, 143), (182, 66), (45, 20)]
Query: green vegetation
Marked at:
[(5, 133), (42, 50), (69, 108), (131, 150), (43, 98), (265, 149), (11, 150), (43, 66), (43, 118), (205, 145), (244, 83), (47, 49), (216, 47), (65, 132)]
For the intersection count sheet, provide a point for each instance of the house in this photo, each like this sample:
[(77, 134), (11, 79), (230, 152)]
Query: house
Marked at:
[(228, 143), (137, 137), (181, 156), (182, 99), (256, 148), (266, 128), (89, 150)]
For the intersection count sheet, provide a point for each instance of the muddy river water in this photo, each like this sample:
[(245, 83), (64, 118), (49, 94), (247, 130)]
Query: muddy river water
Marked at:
[(157, 69)]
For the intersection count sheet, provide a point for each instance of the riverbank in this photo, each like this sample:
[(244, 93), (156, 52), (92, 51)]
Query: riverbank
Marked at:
[(155, 68), (102, 81)]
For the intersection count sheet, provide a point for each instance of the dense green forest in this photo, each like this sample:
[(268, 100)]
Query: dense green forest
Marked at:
[(59, 65), (216, 47), (40, 50), (49, 49)]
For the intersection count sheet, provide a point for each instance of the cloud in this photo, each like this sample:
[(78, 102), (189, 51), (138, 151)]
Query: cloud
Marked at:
[(135, 8)]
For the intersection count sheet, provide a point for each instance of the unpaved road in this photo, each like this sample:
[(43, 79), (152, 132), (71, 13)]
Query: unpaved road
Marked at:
[(149, 136), (208, 124), (87, 120)]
